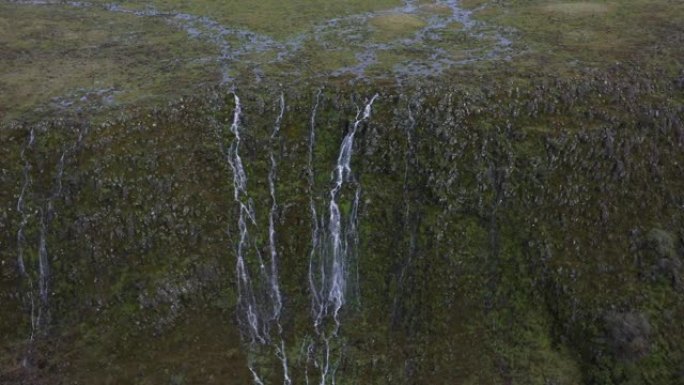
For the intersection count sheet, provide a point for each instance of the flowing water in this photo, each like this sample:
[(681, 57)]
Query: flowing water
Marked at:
[(21, 206), (281, 351), (21, 240), (334, 241), (246, 297), (333, 273), (42, 217), (250, 312), (259, 297), (315, 241), (333, 247)]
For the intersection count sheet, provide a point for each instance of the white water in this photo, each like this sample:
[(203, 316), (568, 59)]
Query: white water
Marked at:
[(272, 175), (21, 239), (45, 219), (337, 237), (250, 316), (332, 248), (45, 214), (316, 294), (260, 299), (276, 296), (21, 208), (317, 303)]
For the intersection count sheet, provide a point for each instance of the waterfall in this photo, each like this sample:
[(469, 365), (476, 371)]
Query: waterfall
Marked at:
[(246, 298), (332, 250), (21, 238), (21, 205), (248, 312), (259, 301), (47, 215), (275, 287), (39, 310), (337, 237), (316, 295), (315, 238)]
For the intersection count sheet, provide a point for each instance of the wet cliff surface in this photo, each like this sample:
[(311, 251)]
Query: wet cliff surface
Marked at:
[(527, 231)]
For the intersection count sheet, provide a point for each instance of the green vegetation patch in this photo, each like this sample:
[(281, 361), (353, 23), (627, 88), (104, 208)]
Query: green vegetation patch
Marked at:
[(55, 57), (436, 9), (395, 25), (593, 32)]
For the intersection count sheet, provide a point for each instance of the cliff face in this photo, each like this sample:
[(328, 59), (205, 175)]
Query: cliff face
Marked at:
[(528, 232)]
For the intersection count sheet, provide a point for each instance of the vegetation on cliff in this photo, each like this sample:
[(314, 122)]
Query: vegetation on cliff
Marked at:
[(520, 210)]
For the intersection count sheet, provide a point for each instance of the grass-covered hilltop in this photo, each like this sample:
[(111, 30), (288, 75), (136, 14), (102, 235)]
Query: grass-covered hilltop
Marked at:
[(342, 192)]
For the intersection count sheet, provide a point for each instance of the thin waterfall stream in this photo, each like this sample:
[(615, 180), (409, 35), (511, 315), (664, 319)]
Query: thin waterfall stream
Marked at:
[(260, 300), (332, 248), (334, 241), (21, 206), (315, 232), (44, 215), (21, 240), (281, 352), (249, 314)]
